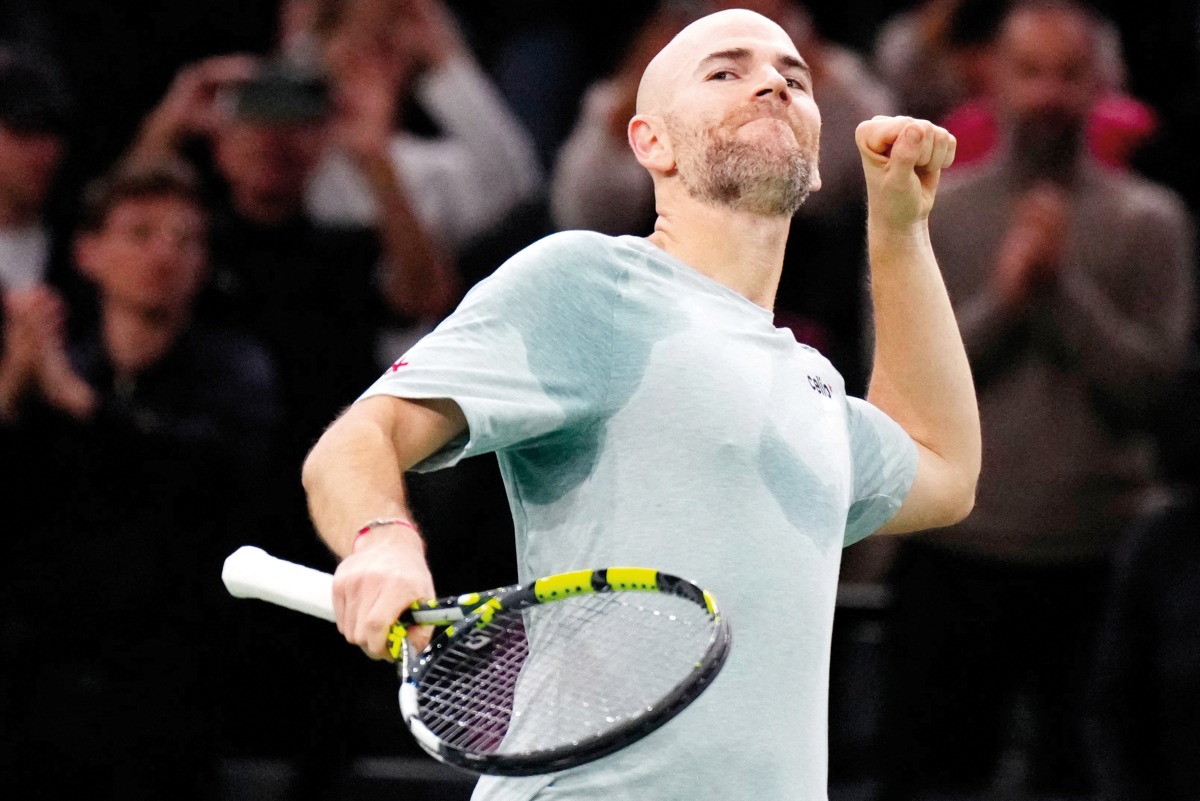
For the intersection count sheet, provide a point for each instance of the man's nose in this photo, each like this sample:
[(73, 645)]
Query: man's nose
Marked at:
[(165, 246), (772, 82)]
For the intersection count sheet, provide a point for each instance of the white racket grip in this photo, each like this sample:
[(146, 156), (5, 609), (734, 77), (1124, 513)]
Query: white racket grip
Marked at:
[(251, 572)]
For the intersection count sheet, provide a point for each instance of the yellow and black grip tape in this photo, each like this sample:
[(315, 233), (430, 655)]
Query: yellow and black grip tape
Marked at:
[(395, 640)]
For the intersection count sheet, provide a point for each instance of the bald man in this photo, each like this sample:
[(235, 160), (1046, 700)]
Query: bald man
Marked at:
[(645, 410)]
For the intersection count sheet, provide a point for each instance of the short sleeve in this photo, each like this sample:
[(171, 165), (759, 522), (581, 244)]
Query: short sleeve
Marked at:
[(884, 460), (526, 355)]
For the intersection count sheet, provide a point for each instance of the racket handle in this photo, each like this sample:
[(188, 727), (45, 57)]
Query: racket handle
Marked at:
[(251, 572)]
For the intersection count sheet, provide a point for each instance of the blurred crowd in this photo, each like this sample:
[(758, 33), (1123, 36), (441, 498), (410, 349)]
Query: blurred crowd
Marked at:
[(220, 221)]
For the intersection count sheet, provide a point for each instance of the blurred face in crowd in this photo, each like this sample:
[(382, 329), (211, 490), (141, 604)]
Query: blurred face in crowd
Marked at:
[(28, 163), (149, 255), (267, 165), (1046, 79), (734, 99)]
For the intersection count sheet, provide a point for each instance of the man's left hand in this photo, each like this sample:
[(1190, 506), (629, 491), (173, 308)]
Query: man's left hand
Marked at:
[(903, 159)]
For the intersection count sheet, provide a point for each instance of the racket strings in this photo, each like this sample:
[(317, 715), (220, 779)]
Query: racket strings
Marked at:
[(455, 706), (563, 672)]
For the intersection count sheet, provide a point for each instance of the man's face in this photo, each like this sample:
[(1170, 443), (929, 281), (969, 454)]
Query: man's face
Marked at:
[(28, 163), (149, 255), (270, 160), (742, 120), (1046, 77)]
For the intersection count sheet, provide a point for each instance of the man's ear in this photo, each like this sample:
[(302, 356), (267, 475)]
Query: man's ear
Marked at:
[(650, 144)]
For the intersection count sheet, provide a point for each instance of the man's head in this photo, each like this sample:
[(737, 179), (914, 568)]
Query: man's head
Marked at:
[(725, 115), (143, 240), (1046, 78), (35, 111), (272, 138)]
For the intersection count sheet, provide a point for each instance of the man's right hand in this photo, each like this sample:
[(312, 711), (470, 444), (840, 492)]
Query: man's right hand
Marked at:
[(356, 470), (372, 586), (191, 106)]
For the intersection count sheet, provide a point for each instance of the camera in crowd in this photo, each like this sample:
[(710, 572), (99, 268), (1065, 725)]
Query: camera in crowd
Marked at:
[(282, 92)]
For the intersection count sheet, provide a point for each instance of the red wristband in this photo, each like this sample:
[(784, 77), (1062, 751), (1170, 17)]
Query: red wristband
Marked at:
[(379, 522)]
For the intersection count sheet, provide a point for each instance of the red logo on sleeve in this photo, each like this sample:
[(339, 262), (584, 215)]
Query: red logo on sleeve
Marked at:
[(396, 365)]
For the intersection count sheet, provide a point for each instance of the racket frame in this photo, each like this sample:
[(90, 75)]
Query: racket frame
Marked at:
[(468, 613)]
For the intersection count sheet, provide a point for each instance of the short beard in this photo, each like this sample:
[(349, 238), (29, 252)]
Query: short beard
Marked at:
[(742, 175)]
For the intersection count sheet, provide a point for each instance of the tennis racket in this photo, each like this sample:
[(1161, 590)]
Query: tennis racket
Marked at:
[(532, 679)]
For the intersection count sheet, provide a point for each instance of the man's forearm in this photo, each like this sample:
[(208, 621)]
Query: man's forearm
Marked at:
[(419, 279), (921, 376), (353, 476)]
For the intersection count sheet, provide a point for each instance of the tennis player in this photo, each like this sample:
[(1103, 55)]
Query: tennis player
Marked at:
[(645, 410)]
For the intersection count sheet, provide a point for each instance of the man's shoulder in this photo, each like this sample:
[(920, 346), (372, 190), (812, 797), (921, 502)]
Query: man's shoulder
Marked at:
[(1140, 196), (573, 257), (581, 243)]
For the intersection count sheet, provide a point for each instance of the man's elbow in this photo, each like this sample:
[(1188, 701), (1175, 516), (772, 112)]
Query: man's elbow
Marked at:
[(954, 502), (962, 502), (326, 454), (958, 490), (313, 469)]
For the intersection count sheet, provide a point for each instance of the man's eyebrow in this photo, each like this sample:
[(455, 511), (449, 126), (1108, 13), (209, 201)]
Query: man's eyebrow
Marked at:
[(785, 60), (732, 54), (795, 62)]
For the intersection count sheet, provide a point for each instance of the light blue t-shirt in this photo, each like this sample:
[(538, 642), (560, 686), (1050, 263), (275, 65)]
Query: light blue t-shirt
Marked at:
[(644, 414)]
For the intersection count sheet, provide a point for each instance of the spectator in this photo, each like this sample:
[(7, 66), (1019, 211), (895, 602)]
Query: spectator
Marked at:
[(314, 292), (317, 295), (464, 181), (1073, 289), (118, 444), (1118, 124), (35, 111)]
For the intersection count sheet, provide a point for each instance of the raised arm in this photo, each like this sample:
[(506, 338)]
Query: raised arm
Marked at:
[(483, 162), (354, 475), (418, 278), (190, 108), (920, 376)]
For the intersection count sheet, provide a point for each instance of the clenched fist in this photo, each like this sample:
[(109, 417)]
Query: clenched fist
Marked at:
[(376, 583), (903, 159)]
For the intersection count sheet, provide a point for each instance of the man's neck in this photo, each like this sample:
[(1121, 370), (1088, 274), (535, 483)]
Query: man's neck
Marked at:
[(136, 339), (740, 250)]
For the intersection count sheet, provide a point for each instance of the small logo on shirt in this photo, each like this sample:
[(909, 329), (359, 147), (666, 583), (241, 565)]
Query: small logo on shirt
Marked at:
[(396, 365), (820, 386)]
